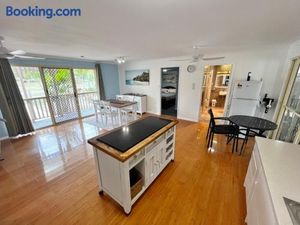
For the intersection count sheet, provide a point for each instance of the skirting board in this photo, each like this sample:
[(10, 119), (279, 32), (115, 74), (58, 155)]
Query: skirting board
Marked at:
[(178, 117), (4, 138), (186, 118)]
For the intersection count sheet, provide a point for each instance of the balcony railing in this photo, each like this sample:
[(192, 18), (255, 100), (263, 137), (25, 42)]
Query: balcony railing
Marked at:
[(86, 100), (38, 108)]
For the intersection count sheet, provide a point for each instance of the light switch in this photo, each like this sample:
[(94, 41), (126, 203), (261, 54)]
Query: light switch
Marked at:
[(193, 86)]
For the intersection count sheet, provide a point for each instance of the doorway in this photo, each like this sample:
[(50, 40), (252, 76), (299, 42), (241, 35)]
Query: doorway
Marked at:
[(169, 90), (214, 89)]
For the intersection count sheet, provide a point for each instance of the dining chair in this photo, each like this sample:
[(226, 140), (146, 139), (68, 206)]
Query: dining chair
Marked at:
[(210, 122), (227, 129), (97, 108), (248, 133), (119, 97), (108, 112), (130, 111)]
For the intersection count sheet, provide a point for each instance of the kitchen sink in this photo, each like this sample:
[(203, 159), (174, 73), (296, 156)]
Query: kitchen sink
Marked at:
[(294, 210)]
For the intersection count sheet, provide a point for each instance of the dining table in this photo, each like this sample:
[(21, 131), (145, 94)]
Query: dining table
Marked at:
[(119, 105), (253, 126)]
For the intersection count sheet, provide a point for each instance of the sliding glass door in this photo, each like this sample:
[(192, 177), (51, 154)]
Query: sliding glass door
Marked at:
[(61, 92), (86, 88), (55, 95), (289, 117), (32, 90)]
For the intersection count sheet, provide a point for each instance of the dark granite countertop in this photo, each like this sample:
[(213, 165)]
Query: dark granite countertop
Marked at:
[(125, 141)]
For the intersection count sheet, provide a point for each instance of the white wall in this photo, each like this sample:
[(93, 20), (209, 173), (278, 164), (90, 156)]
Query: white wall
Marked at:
[(265, 63), (187, 96)]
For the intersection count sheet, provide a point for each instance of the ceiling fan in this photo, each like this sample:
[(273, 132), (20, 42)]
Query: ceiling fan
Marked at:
[(11, 54), (197, 56)]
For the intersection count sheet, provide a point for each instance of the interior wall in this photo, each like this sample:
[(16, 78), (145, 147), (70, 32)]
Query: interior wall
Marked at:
[(110, 74), (188, 88), (53, 62), (265, 63)]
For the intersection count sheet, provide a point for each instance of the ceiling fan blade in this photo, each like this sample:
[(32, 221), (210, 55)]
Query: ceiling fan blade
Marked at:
[(179, 59), (18, 52), (7, 56), (213, 58), (28, 57)]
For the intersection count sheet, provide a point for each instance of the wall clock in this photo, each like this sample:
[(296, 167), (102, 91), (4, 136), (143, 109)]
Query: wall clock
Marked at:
[(191, 68)]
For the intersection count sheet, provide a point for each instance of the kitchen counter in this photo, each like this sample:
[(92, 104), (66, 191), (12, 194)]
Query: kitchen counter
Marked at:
[(123, 142), (281, 167), (128, 159)]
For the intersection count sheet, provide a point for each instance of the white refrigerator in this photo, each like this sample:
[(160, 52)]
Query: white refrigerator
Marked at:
[(245, 98)]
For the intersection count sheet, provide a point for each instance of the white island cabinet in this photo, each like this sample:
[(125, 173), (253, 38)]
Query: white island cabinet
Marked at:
[(145, 160), (273, 173)]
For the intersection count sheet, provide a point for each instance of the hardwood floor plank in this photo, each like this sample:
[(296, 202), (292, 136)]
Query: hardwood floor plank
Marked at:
[(50, 178)]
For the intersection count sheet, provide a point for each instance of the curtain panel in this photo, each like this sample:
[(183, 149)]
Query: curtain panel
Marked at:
[(100, 82), (11, 102)]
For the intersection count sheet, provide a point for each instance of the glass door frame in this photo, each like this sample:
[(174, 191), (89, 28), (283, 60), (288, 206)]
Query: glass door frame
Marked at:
[(44, 87), (48, 95), (295, 66)]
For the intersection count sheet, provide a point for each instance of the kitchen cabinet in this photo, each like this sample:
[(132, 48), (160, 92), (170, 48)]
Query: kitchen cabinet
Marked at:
[(114, 169), (140, 99), (259, 203), (272, 176)]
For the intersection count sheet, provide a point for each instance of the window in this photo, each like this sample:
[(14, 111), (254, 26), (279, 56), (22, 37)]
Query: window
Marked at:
[(48, 90), (289, 116)]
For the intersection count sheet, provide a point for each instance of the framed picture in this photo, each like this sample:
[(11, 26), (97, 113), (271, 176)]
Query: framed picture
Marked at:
[(137, 77)]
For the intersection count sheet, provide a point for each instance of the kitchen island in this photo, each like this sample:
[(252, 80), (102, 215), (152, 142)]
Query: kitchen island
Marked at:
[(272, 177), (129, 158)]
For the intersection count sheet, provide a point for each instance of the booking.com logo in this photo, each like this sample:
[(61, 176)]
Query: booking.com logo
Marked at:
[(49, 13)]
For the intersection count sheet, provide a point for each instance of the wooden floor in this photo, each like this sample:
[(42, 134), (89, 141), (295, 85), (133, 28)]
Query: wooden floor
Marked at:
[(50, 178)]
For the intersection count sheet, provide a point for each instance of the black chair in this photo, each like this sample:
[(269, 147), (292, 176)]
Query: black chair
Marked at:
[(209, 125), (229, 130), (251, 133)]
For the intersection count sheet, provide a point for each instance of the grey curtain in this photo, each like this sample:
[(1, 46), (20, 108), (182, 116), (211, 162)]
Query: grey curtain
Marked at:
[(100, 82), (11, 102)]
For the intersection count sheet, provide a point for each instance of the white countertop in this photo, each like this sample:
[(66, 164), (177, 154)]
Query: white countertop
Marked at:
[(281, 164)]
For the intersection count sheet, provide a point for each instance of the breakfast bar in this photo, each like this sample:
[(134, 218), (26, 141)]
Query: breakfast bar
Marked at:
[(129, 158)]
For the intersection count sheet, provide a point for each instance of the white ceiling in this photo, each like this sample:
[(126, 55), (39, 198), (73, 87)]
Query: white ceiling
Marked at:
[(151, 28)]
